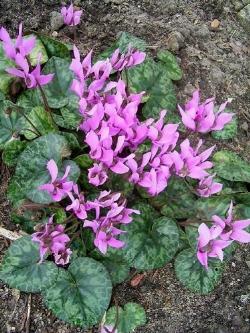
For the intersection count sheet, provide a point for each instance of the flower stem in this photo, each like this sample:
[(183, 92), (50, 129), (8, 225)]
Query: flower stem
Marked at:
[(46, 104), (30, 122)]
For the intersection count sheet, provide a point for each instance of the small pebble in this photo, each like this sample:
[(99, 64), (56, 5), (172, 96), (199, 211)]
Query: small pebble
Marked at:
[(215, 24), (54, 34)]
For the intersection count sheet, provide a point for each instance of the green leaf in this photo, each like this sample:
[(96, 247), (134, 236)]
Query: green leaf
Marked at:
[(12, 151), (81, 294), (123, 43), (55, 47), (170, 64), (11, 124), (150, 241), (5, 78), (228, 132), (129, 318), (176, 201), (84, 161), (38, 50), (70, 114), (207, 207), (40, 121), (31, 169), (119, 184), (29, 99), (194, 276), (72, 140), (15, 193), (21, 268), (230, 166), (58, 90), (154, 80), (27, 219)]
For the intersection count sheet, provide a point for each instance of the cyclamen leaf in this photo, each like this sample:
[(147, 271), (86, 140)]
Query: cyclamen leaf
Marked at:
[(150, 241), (207, 207), (31, 170), (12, 151), (41, 120), (54, 47), (154, 80), (5, 78), (81, 294), (194, 276), (129, 318), (38, 52), (230, 166), (170, 64), (21, 268), (58, 90)]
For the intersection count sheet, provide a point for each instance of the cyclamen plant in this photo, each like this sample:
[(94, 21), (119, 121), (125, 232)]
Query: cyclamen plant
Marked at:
[(139, 190)]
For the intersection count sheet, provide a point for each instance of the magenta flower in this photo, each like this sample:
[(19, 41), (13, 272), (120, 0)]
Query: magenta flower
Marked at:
[(58, 187), (232, 230), (108, 329), (97, 175), (188, 163), (21, 45), (110, 212), (202, 117), (78, 203), (53, 240), (71, 17), (32, 79), (208, 187), (130, 59), (209, 245)]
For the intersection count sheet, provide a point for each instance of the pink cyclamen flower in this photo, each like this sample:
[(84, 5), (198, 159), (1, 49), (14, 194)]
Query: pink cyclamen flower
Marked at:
[(71, 17), (208, 187), (232, 230), (32, 79), (97, 175), (53, 240), (108, 329), (202, 117), (209, 245), (58, 187), (21, 45), (127, 60), (78, 203), (190, 163)]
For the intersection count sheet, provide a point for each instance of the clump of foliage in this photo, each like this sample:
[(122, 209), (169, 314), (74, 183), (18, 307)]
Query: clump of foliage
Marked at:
[(105, 177)]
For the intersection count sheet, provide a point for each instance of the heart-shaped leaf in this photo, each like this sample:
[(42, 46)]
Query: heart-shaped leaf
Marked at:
[(38, 122), (58, 90), (38, 52), (230, 166), (55, 47), (194, 276), (129, 318), (29, 99), (12, 151), (150, 241), (5, 78), (207, 207), (21, 268), (31, 170), (11, 124), (170, 64), (176, 201), (154, 80), (81, 294)]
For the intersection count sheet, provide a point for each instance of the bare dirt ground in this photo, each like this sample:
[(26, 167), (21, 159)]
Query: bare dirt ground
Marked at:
[(216, 61)]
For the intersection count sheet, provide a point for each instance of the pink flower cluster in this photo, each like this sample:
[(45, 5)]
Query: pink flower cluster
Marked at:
[(70, 16), (53, 240), (223, 232), (202, 118), (109, 209), (18, 51), (114, 131)]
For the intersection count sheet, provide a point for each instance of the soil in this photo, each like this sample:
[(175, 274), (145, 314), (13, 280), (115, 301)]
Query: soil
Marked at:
[(214, 59)]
